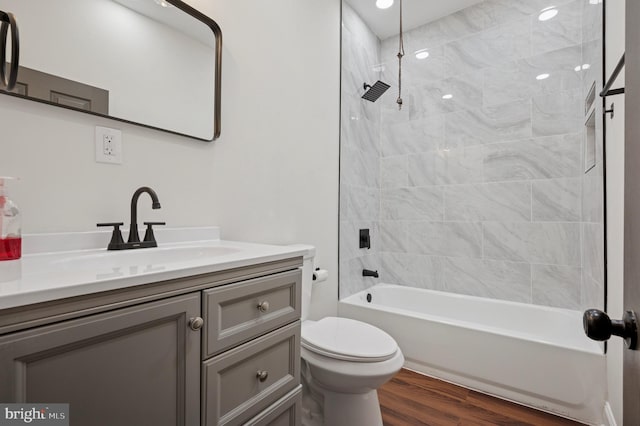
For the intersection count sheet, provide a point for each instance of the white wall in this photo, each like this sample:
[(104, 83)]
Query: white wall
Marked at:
[(615, 203), (272, 176), (275, 169)]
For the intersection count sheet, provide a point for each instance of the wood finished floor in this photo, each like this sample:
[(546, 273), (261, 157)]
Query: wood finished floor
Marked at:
[(413, 399)]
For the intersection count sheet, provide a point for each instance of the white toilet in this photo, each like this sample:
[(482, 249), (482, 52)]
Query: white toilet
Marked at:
[(344, 361)]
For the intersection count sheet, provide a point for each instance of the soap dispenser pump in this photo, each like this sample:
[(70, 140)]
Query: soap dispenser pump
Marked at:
[(10, 233)]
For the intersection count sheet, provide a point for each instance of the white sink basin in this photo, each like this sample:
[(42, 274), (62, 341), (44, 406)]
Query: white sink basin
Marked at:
[(148, 258)]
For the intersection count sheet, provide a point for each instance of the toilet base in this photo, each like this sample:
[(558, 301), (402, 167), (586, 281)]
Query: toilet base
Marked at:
[(324, 407), (352, 409)]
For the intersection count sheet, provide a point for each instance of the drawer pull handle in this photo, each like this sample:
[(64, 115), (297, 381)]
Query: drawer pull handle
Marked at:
[(262, 375), (196, 323), (263, 306)]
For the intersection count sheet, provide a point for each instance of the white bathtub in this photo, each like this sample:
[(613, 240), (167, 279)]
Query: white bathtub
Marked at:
[(534, 355)]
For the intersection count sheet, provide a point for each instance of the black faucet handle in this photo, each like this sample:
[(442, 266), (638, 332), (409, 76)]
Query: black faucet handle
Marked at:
[(116, 237), (148, 235)]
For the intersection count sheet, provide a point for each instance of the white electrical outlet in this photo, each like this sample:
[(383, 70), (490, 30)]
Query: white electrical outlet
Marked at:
[(108, 145)]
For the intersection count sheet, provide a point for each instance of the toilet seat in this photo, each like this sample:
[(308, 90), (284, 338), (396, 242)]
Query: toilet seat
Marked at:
[(348, 340)]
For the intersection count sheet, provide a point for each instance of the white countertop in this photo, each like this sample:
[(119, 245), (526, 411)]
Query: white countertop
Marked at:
[(78, 267)]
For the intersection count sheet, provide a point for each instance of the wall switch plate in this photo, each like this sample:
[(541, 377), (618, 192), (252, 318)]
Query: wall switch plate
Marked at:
[(108, 145)]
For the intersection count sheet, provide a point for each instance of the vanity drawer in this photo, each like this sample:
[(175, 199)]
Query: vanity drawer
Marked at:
[(286, 412), (237, 313), (245, 394)]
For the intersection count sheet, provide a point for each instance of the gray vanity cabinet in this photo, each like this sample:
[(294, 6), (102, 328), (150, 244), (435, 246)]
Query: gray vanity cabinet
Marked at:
[(214, 349), (133, 366)]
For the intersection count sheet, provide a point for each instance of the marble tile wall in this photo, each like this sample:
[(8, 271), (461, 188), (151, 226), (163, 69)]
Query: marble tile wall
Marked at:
[(593, 271), (483, 193), (360, 175)]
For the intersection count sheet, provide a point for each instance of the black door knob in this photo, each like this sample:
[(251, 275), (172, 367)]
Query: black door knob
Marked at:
[(598, 326)]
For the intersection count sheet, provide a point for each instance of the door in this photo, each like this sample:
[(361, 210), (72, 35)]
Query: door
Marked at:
[(597, 324), (631, 376), (132, 366)]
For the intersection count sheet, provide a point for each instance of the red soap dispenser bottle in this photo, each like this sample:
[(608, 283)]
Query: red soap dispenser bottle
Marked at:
[(10, 233)]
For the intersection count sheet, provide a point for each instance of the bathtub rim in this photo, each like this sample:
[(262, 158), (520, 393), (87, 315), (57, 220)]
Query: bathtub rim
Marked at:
[(359, 299)]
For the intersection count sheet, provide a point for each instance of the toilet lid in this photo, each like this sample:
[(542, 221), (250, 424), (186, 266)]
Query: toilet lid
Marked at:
[(347, 339)]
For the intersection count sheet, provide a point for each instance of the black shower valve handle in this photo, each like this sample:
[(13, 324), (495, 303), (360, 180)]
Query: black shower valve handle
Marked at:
[(364, 240)]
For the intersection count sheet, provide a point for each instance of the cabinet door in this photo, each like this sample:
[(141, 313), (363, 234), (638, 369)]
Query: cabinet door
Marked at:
[(134, 366)]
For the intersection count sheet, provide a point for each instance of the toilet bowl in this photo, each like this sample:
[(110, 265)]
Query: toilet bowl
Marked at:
[(344, 362)]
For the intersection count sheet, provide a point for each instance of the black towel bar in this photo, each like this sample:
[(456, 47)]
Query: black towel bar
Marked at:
[(607, 90), (8, 22)]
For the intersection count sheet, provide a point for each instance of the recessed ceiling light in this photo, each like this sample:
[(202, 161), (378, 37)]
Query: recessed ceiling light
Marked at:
[(447, 96), (582, 67), (422, 54), (542, 76), (547, 13), (384, 4), (595, 1)]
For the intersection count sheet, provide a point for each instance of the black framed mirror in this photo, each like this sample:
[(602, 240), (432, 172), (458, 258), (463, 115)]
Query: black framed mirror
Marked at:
[(154, 63)]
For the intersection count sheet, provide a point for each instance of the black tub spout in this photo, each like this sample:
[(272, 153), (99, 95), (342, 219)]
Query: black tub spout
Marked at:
[(370, 273)]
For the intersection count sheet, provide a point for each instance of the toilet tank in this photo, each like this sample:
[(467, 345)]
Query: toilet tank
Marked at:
[(307, 278)]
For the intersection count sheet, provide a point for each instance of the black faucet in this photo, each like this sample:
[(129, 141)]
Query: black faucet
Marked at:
[(133, 228), (117, 243)]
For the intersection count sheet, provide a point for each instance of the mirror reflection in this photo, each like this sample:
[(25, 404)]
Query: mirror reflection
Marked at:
[(142, 61)]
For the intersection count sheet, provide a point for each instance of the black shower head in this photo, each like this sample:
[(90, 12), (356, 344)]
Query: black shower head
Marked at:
[(374, 91)]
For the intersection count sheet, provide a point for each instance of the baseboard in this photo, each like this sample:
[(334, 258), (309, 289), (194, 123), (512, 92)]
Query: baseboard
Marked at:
[(609, 419)]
